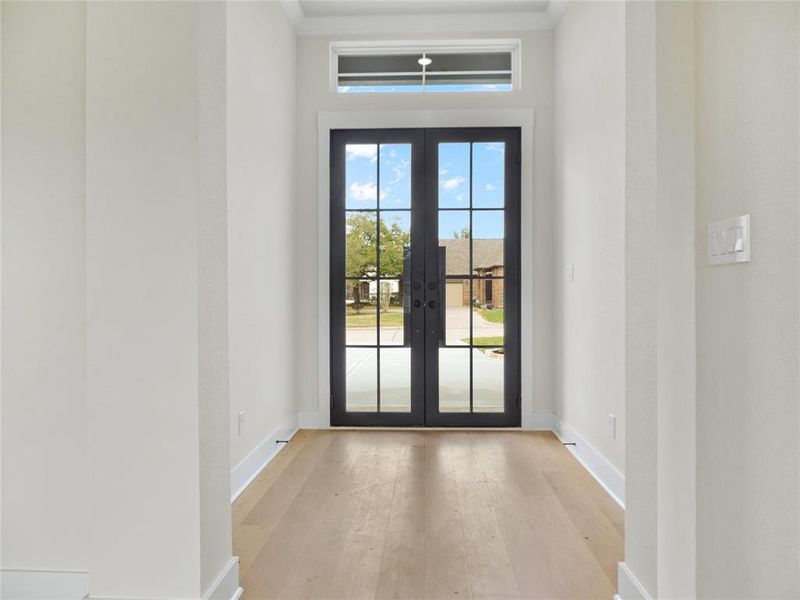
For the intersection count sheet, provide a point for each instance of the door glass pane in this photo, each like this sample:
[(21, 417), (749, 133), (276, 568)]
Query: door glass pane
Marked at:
[(488, 175), (454, 379), (361, 380), (361, 176), (395, 243), (395, 379), (488, 389), (454, 233), (487, 243), (454, 176), (361, 312), (361, 240), (395, 176), (394, 311), (488, 312), (456, 312)]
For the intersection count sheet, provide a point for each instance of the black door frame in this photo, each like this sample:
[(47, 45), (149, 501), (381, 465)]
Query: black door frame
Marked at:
[(426, 322)]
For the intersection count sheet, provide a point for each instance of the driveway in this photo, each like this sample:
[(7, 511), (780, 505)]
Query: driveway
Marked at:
[(456, 329), (361, 380)]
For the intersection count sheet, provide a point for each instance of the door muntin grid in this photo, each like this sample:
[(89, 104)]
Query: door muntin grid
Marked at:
[(471, 242), (377, 311), (477, 210)]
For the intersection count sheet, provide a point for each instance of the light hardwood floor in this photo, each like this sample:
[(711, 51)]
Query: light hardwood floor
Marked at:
[(426, 514)]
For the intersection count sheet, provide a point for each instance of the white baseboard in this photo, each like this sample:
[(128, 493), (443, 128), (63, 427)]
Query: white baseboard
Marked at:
[(530, 421), (43, 585), (606, 474), (630, 588), (226, 585), (252, 464), (74, 585)]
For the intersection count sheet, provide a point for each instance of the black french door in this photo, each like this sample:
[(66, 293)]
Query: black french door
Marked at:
[(425, 277)]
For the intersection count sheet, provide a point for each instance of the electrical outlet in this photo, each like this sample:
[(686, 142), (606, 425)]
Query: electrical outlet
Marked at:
[(612, 426), (241, 421)]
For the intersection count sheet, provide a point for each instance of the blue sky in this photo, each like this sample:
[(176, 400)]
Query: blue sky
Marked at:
[(361, 183), (431, 87)]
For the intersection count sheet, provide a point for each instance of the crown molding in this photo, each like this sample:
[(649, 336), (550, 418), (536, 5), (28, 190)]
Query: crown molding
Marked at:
[(428, 23), (294, 12), (555, 9)]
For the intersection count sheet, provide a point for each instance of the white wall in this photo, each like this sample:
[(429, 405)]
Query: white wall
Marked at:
[(314, 95), (212, 305), (156, 331), (675, 326), (660, 321), (44, 448), (589, 223), (748, 510), (264, 314)]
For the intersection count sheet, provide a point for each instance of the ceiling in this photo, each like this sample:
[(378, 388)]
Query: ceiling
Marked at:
[(350, 8), (403, 17)]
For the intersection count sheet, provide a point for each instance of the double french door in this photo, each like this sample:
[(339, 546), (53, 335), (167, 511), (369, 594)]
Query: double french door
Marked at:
[(425, 277)]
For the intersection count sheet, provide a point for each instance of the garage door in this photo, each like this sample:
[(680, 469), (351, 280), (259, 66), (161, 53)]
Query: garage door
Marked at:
[(454, 294)]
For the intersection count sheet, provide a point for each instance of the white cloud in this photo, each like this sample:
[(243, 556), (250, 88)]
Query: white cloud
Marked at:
[(443, 171), (369, 151), (399, 171), (452, 183), (365, 191), (489, 187)]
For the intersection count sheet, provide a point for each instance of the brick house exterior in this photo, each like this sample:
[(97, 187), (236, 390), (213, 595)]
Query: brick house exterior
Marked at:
[(487, 271)]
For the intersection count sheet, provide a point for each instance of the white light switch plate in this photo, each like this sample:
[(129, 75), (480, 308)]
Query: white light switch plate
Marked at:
[(729, 241)]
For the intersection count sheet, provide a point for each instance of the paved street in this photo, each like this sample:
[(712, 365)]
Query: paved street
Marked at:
[(456, 329)]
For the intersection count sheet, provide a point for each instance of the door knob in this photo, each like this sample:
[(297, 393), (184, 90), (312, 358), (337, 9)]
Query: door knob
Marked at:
[(432, 304), (417, 303)]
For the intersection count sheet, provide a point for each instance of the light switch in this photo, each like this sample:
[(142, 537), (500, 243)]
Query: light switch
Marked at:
[(729, 241), (570, 273)]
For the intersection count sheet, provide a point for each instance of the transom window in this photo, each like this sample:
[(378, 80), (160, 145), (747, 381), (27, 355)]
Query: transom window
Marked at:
[(481, 66)]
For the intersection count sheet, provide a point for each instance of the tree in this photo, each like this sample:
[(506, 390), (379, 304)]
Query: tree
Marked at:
[(394, 241), (360, 243), (462, 234), (360, 249)]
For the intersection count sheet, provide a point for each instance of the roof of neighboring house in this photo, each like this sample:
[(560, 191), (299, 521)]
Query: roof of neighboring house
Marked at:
[(485, 254)]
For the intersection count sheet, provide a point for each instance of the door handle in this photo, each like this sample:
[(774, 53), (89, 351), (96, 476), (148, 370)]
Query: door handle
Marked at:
[(432, 304), (417, 303)]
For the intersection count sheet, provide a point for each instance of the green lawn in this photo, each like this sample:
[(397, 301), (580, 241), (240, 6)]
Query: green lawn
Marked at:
[(367, 318), (493, 315), (496, 340)]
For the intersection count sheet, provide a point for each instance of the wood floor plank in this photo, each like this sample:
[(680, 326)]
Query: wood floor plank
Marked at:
[(267, 511), (488, 562), (259, 486), (360, 555), (426, 514), (598, 532), (403, 557), (446, 573), (292, 533)]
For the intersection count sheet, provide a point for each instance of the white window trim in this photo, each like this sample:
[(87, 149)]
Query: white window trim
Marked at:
[(328, 121), (360, 48)]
